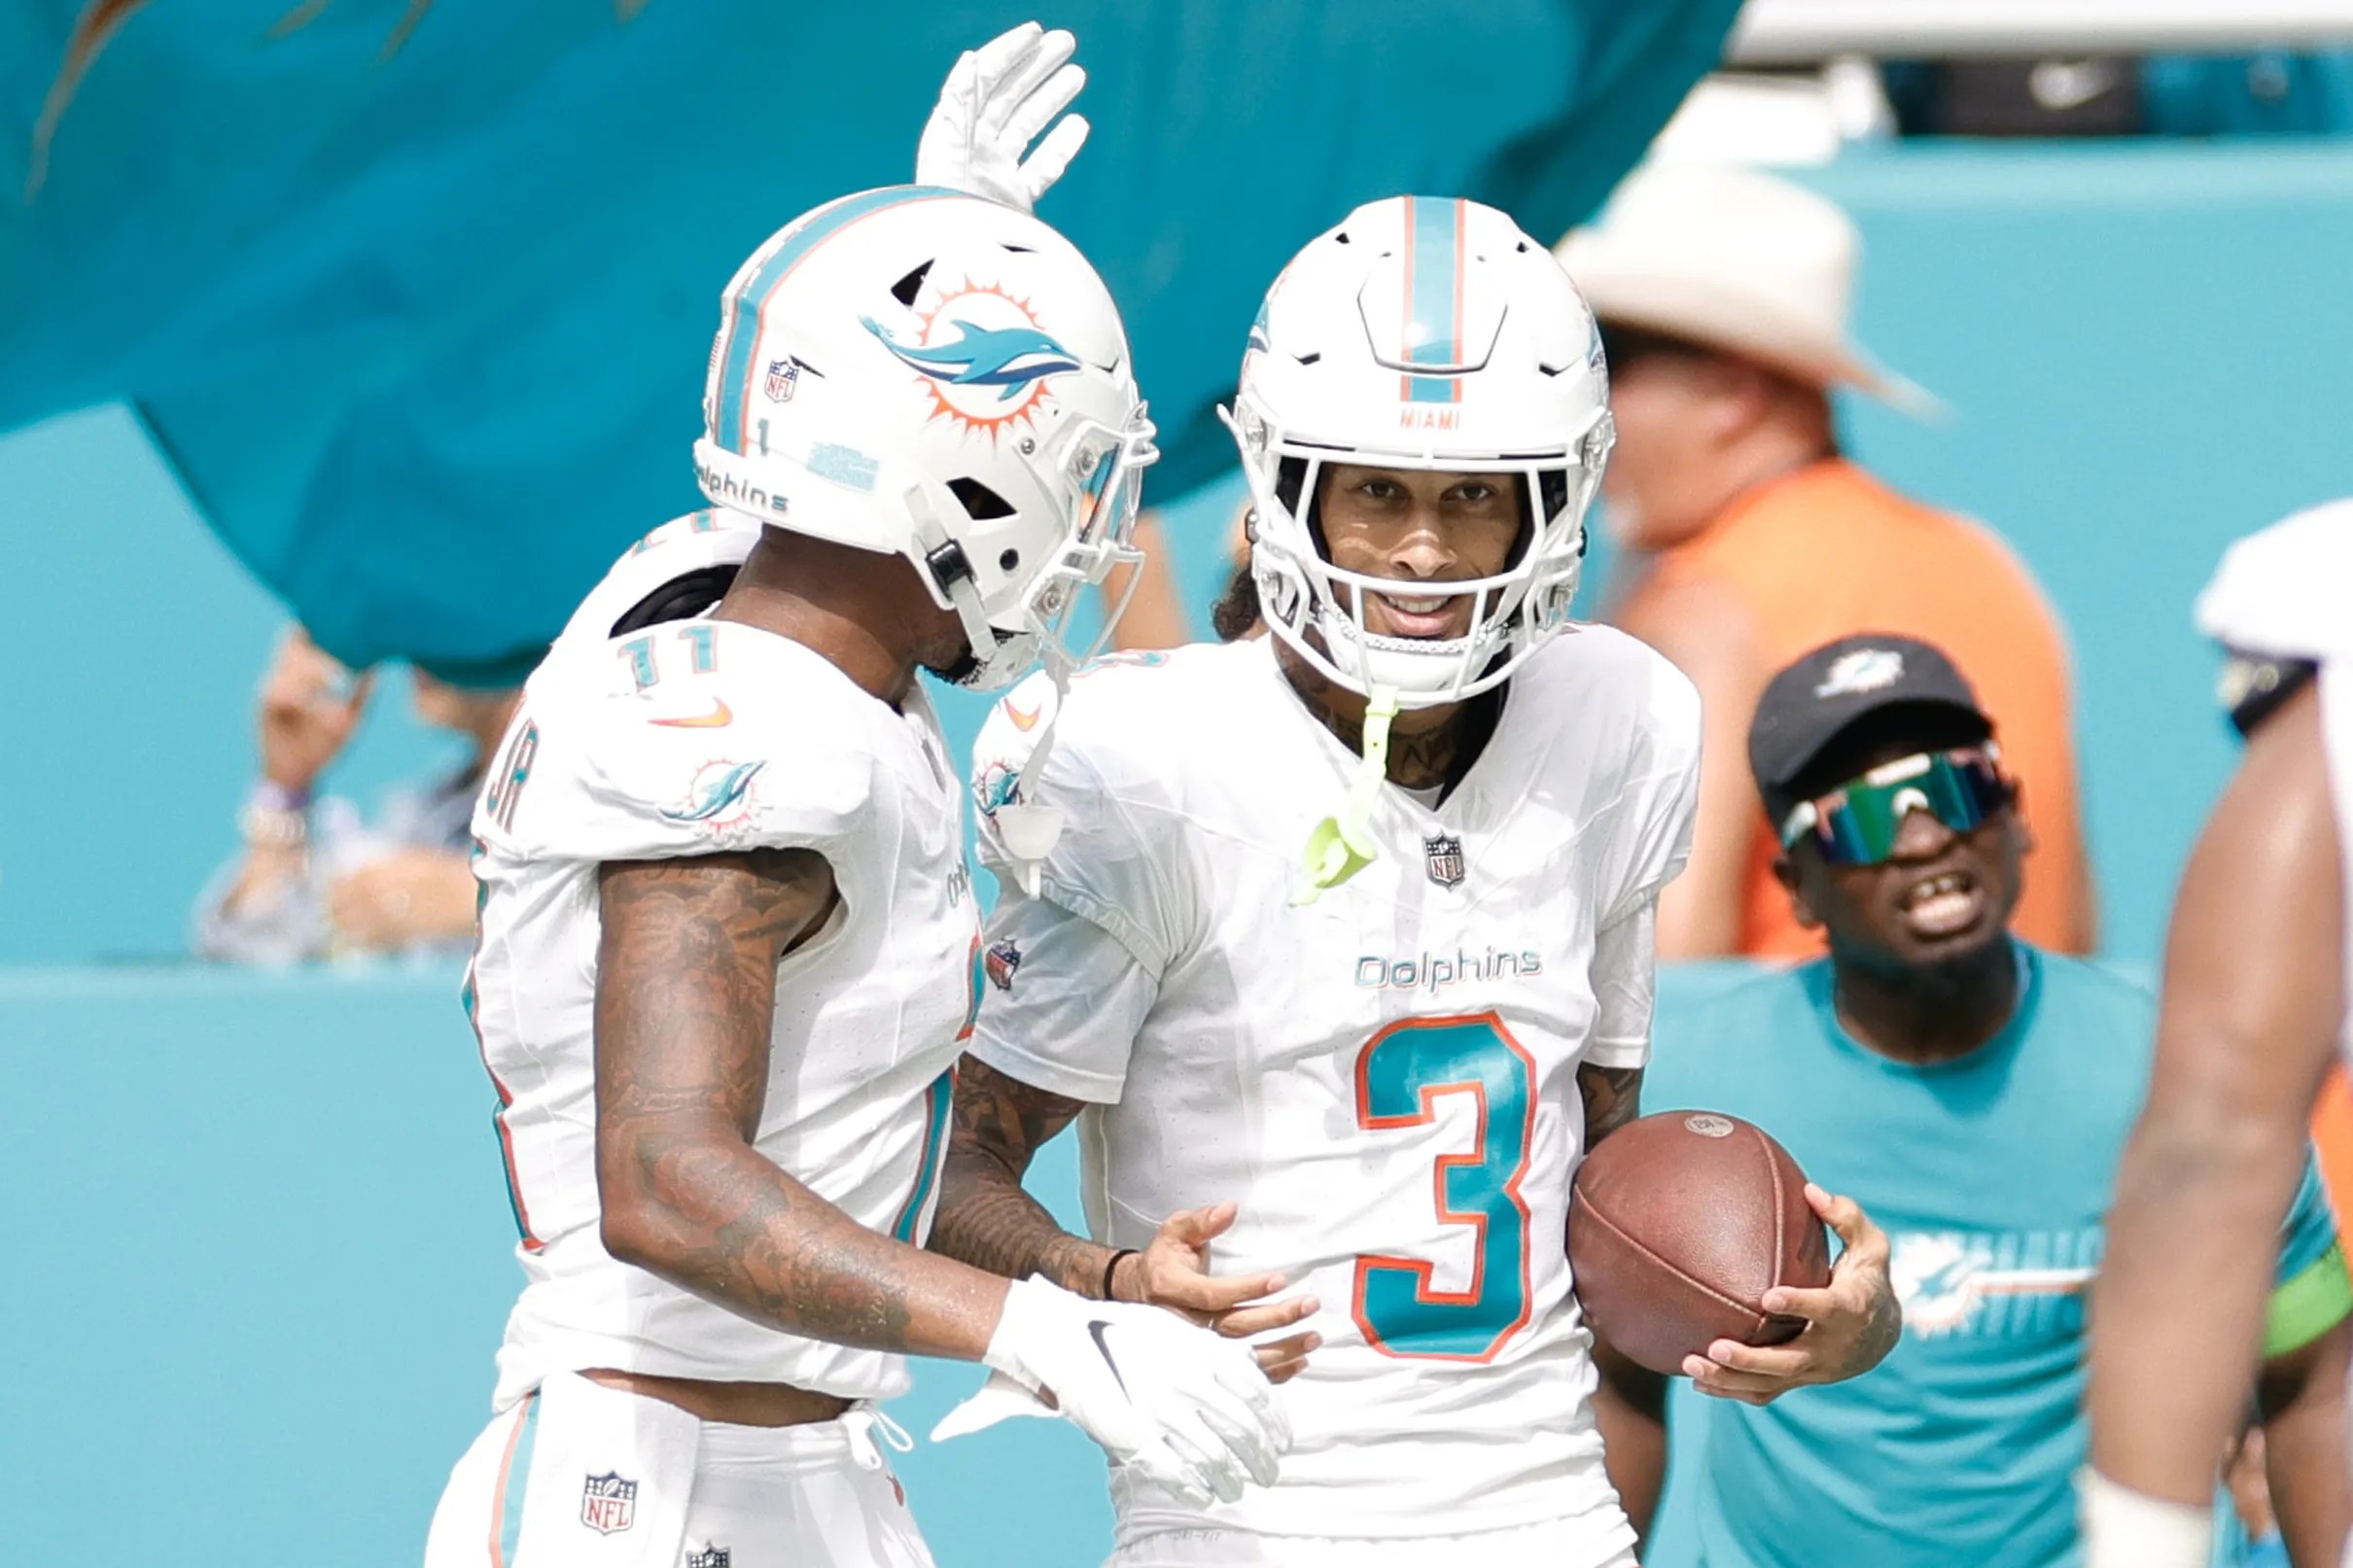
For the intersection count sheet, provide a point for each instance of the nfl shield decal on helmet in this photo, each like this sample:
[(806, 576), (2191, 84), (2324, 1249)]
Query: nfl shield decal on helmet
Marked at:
[(607, 1503), (1443, 854), (715, 1557), (783, 375), (1000, 962)]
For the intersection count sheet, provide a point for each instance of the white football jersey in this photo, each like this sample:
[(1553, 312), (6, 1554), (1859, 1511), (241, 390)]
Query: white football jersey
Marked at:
[(1383, 1079), (2282, 593), (694, 737)]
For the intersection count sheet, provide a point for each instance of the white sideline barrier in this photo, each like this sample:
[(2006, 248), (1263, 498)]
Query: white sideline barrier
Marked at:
[(1795, 32)]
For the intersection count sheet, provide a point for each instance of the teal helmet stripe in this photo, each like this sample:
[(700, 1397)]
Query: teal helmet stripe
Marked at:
[(1433, 335), (743, 309)]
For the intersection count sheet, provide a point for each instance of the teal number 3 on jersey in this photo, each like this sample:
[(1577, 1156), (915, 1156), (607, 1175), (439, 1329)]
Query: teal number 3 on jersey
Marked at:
[(1400, 1073)]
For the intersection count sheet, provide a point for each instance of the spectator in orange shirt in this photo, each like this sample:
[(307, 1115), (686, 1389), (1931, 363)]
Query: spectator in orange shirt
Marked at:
[(1723, 300)]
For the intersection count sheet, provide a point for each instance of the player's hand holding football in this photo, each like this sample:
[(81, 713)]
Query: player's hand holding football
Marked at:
[(1173, 1273), (1850, 1324), (997, 101)]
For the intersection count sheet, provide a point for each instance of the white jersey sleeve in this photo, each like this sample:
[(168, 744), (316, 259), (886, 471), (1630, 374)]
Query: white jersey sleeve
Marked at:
[(1662, 794), (2281, 592), (1073, 968), (654, 785), (1625, 977), (1065, 999), (1652, 845), (1102, 865)]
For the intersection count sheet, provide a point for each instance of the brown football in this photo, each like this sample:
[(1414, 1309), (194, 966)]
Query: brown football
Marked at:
[(1678, 1226)]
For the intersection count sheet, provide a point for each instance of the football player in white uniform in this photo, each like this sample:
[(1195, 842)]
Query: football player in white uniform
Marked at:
[(727, 947), (1364, 1073), (2253, 1013)]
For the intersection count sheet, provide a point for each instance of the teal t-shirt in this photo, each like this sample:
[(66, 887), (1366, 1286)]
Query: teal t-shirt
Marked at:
[(1991, 1176)]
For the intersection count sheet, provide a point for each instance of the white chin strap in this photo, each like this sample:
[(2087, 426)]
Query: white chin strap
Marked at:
[(1028, 830)]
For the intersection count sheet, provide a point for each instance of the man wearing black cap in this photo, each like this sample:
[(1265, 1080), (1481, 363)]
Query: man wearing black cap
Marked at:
[(1973, 1092)]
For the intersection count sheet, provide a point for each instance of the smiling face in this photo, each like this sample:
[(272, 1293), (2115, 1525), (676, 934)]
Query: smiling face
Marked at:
[(1422, 530), (1941, 896)]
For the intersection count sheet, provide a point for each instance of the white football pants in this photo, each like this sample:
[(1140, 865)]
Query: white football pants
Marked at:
[(579, 1475)]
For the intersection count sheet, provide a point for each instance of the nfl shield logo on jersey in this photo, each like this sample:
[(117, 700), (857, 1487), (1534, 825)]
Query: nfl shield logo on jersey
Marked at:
[(1444, 857), (1000, 962), (607, 1503), (715, 1557), (783, 376)]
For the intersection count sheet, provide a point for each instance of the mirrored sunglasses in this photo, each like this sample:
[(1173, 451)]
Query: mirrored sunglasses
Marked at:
[(1857, 823)]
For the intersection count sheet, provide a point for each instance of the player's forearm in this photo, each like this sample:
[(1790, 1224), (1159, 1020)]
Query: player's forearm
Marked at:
[(1630, 1407), (708, 1213), (989, 1220), (2189, 1250), (2302, 1398)]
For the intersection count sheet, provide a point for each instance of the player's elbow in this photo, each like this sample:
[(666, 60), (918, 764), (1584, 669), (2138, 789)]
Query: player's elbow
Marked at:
[(2199, 1139), (628, 1232), (642, 1178)]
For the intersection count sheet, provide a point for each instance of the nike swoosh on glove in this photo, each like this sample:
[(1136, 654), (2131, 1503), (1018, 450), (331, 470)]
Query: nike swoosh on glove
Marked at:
[(1189, 1410), (997, 101)]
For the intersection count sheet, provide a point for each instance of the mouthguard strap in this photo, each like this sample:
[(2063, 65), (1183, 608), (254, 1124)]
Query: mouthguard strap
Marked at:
[(1342, 846)]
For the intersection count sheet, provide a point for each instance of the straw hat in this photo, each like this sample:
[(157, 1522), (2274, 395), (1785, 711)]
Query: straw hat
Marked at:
[(1738, 260)]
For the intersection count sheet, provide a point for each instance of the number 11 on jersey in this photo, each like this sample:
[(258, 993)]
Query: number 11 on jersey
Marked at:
[(1400, 1073)]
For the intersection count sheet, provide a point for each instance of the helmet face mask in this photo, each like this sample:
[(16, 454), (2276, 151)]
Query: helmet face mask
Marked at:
[(1428, 335), (921, 373)]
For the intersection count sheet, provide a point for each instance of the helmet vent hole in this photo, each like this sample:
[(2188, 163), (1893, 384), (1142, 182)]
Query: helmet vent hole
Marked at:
[(1520, 248), (1022, 250), (1010, 561), (1552, 369), (907, 287), (980, 502), (1309, 359), (1341, 238)]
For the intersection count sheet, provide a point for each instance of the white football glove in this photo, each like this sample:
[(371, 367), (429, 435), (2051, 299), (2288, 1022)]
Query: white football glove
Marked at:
[(1190, 1410), (997, 101)]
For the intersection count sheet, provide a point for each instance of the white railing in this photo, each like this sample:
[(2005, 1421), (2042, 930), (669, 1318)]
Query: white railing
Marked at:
[(1795, 32)]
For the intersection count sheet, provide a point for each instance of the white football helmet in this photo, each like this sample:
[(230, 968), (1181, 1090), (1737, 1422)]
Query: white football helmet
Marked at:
[(924, 373), (1424, 334)]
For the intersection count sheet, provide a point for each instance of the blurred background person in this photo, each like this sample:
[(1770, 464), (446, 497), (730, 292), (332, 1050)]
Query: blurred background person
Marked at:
[(316, 879), (1974, 1091), (1723, 296)]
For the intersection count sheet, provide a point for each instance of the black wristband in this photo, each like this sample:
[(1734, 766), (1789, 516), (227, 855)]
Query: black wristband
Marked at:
[(1113, 1264)]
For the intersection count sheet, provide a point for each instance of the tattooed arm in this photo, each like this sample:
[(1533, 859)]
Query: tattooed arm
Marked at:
[(685, 995), (986, 1217), (1613, 1097), (1630, 1403)]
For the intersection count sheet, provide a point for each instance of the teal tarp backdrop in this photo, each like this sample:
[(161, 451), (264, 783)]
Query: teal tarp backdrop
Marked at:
[(416, 296), (2144, 345)]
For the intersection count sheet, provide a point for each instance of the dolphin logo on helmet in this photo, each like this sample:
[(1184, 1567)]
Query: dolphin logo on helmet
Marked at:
[(1010, 357)]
